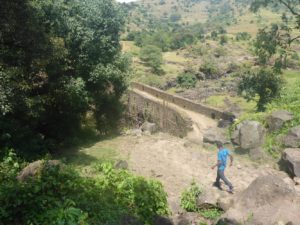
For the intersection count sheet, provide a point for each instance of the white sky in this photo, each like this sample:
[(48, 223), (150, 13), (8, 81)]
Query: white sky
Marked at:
[(125, 0)]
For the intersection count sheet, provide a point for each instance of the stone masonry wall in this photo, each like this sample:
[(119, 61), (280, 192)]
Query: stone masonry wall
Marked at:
[(184, 103), (166, 117)]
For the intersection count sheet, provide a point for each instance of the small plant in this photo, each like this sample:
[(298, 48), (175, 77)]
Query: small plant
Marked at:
[(211, 214), (188, 200)]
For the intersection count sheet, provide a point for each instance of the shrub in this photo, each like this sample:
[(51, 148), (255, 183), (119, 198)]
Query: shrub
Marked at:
[(152, 56), (210, 69), (62, 196), (187, 80), (188, 200), (243, 36), (264, 83)]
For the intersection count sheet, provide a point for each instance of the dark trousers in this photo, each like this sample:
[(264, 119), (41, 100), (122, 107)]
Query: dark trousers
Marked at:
[(220, 175)]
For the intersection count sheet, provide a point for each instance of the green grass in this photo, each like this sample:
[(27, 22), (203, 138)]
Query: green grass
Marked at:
[(219, 101), (211, 214)]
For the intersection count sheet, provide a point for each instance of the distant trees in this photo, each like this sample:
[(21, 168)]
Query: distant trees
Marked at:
[(58, 59), (152, 56)]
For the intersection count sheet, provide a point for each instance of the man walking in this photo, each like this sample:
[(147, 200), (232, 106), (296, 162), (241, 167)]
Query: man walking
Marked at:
[(221, 164)]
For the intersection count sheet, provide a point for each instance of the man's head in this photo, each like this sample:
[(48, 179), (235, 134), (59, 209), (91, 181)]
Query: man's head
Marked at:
[(219, 145)]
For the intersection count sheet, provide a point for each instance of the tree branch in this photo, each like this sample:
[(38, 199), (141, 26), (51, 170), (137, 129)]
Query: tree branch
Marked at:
[(292, 10)]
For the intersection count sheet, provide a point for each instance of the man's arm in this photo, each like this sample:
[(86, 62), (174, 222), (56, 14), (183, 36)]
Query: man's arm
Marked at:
[(231, 159), (218, 164)]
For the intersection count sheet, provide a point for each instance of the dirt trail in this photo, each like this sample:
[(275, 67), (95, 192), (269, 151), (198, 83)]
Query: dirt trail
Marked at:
[(168, 159)]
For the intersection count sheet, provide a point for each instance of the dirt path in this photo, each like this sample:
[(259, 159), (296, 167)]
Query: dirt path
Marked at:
[(167, 159)]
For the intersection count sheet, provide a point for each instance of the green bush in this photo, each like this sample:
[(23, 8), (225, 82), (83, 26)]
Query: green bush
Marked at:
[(152, 56), (187, 80), (188, 199), (264, 83), (62, 196), (211, 213)]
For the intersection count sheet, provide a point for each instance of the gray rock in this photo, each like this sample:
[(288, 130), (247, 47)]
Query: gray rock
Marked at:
[(249, 135), (186, 218), (291, 158), (268, 200), (297, 180), (257, 154), (277, 119), (121, 164), (208, 199), (213, 198), (34, 168), (136, 132), (292, 140), (215, 135), (149, 127)]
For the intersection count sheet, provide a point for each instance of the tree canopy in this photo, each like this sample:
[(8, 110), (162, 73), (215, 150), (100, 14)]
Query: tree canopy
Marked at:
[(58, 59)]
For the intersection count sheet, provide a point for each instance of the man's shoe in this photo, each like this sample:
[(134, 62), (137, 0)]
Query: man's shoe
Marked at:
[(217, 186), (230, 190)]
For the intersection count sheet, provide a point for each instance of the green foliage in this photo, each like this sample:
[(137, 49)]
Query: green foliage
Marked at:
[(152, 56), (188, 199), (211, 213), (266, 44), (175, 17), (61, 196), (223, 40), (210, 68), (243, 36), (264, 82), (50, 54), (187, 80)]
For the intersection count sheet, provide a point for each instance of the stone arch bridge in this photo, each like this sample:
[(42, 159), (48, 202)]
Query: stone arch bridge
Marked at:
[(173, 114)]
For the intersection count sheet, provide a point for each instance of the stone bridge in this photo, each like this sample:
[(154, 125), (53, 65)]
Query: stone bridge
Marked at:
[(173, 114)]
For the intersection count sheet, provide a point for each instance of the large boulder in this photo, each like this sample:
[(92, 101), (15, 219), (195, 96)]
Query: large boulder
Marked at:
[(277, 119), (291, 159), (34, 168), (213, 198), (268, 200), (249, 135), (292, 140), (215, 135), (257, 154), (149, 127)]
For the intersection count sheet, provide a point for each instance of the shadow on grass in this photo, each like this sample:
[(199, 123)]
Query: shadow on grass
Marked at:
[(85, 149)]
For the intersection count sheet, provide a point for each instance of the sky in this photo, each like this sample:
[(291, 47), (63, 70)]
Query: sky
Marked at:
[(125, 0)]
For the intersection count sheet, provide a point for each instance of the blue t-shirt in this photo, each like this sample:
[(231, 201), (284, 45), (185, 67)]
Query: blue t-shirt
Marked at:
[(222, 156)]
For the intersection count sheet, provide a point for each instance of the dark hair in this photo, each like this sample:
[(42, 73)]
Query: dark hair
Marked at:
[(219, 144)]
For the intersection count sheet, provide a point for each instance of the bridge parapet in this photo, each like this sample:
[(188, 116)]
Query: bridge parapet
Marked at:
[(184, 103)]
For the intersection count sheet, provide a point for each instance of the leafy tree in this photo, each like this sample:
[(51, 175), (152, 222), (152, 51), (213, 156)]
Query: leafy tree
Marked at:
[(152, 56), (280, 36), (264, 83), (50, 52)]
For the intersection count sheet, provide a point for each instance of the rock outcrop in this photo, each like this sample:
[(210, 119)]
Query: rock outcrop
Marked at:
[(149, 127), (291, 159), (34, 168), (249, 135), (257, 154), (268, 200), (292, 140), (277, 119), (215, 135)]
